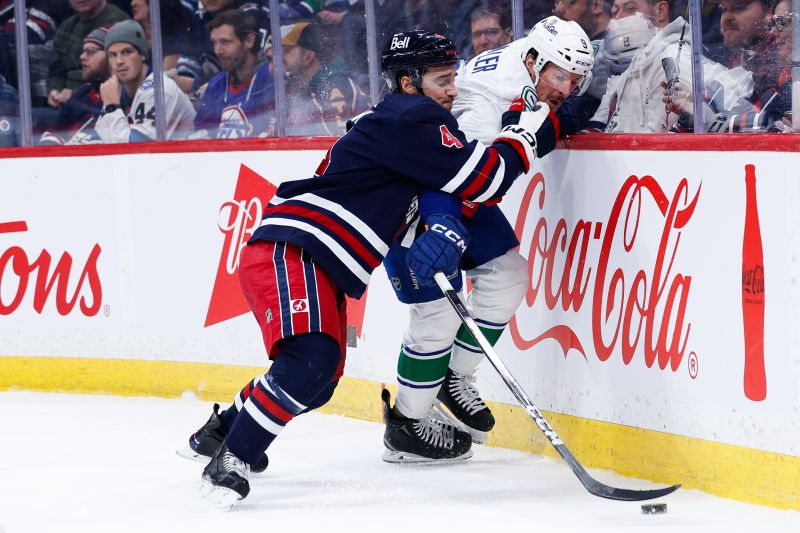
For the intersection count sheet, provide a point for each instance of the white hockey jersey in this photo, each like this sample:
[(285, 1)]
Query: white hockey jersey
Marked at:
[(140, 124), (486, 87), (633, 101)]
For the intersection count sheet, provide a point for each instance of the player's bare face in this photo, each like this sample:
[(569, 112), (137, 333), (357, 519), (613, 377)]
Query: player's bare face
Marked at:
[(125, 61), (230, 51), (439, 83), (555, 84)]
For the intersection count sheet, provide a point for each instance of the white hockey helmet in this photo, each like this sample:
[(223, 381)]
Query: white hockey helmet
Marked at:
[(563, 43), (624, 37)]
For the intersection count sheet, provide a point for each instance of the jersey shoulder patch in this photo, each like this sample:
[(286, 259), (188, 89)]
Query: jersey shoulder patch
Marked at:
[(448, 139)]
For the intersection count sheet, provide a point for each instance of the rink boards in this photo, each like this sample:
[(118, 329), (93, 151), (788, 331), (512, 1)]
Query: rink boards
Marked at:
[(118, 274)]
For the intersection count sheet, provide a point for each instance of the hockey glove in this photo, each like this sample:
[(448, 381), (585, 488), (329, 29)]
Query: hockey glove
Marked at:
[(439, 249), (519, 130)]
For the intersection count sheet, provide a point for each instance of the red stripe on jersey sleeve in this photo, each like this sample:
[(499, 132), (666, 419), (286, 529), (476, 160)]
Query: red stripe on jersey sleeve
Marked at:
[(517, 146), (323, 219), (488, 168)]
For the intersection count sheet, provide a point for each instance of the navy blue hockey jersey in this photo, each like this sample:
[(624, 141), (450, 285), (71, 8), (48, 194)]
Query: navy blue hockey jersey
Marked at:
[(365, 190)]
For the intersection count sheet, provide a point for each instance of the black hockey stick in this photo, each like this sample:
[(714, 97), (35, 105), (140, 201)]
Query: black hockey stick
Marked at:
[(591, 484)]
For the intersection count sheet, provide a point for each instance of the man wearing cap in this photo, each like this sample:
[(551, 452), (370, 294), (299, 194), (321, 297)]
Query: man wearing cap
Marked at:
[(77, 117), (127, 57), (321, 94)]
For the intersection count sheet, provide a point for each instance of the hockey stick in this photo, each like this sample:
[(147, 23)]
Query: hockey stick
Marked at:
[(591, 484)]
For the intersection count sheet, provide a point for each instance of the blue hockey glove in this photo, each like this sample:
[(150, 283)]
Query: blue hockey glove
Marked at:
[(439, 249)]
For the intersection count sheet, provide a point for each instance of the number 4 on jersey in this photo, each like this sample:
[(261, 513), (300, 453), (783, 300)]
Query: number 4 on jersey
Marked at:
[(448, 139)]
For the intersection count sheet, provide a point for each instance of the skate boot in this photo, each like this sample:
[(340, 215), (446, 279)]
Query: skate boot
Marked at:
[(427, 440), (225, 478), (205, 441), (460, 396)]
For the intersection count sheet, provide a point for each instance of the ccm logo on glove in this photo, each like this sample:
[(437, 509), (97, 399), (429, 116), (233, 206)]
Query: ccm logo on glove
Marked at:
[(450, 235)]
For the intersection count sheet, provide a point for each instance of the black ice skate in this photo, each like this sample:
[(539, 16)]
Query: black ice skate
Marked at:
[(225, 478), (427, 440), (205, 441), (461, 397)]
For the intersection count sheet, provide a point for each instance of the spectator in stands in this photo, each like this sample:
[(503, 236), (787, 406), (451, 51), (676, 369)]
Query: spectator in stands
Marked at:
[(321, 94), (174, 27), (65, 72), (345, 31), (127, 52), (9, 106), (591, 15), (745, 32), (490, 25), (77, 117), (41, 30), (297, 10), (198, 64), (240, 99), (406, 15), (767, 106), (633, 103)]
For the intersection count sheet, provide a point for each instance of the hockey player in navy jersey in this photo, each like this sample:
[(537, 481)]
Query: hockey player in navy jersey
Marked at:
[(239, 100), (321, 238), (438, 357)]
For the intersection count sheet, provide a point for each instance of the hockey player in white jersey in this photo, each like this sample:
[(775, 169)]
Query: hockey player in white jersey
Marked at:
[(126, 48), (544, 68)]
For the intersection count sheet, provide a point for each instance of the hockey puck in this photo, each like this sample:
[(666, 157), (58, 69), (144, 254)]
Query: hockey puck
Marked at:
[(654, 508)]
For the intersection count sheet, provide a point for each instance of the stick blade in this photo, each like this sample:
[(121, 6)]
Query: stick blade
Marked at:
[(627, 495)]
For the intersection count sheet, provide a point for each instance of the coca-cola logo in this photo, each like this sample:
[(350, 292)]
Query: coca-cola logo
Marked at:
[(753, 280), (646, 308), (48, 279)]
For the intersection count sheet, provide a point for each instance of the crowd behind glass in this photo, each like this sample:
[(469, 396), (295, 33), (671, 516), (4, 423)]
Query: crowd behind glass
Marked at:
[(219, 76)]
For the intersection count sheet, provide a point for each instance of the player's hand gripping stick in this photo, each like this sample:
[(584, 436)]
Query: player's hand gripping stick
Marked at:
[(439, 249)]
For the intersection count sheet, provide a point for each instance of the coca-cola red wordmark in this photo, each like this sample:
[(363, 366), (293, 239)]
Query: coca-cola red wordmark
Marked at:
[(17, 270), (649, 309), (238, 219)]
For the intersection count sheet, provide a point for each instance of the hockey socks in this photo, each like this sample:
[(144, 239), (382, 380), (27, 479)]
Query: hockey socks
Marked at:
[(301, 372), (419, 375)]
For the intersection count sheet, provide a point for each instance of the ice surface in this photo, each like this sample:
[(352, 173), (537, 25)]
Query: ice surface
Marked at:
[(102, 464)]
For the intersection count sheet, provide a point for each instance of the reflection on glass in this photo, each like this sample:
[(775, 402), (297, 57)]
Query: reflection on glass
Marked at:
[(325, 63)]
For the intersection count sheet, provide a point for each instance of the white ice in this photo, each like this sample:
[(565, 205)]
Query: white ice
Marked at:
[(101, 464)]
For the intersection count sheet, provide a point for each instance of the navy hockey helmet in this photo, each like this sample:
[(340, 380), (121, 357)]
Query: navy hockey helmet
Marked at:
[(411, 52)]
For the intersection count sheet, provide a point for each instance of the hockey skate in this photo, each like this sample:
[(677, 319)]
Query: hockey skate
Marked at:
[(427, 440), (459, 395), (205, 441), (225, 479)]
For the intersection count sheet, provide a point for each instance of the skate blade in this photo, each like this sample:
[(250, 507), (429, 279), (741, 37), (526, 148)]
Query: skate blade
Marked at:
[(478, 437), (397, 457), (188, 453), (220, 497)]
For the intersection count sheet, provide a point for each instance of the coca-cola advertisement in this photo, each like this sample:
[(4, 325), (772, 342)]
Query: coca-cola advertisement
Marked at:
[(660, 284)]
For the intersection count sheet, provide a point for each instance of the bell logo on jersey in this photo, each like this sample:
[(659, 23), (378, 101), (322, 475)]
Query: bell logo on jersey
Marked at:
[(299, 306), (399, 43), (448, 139)]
